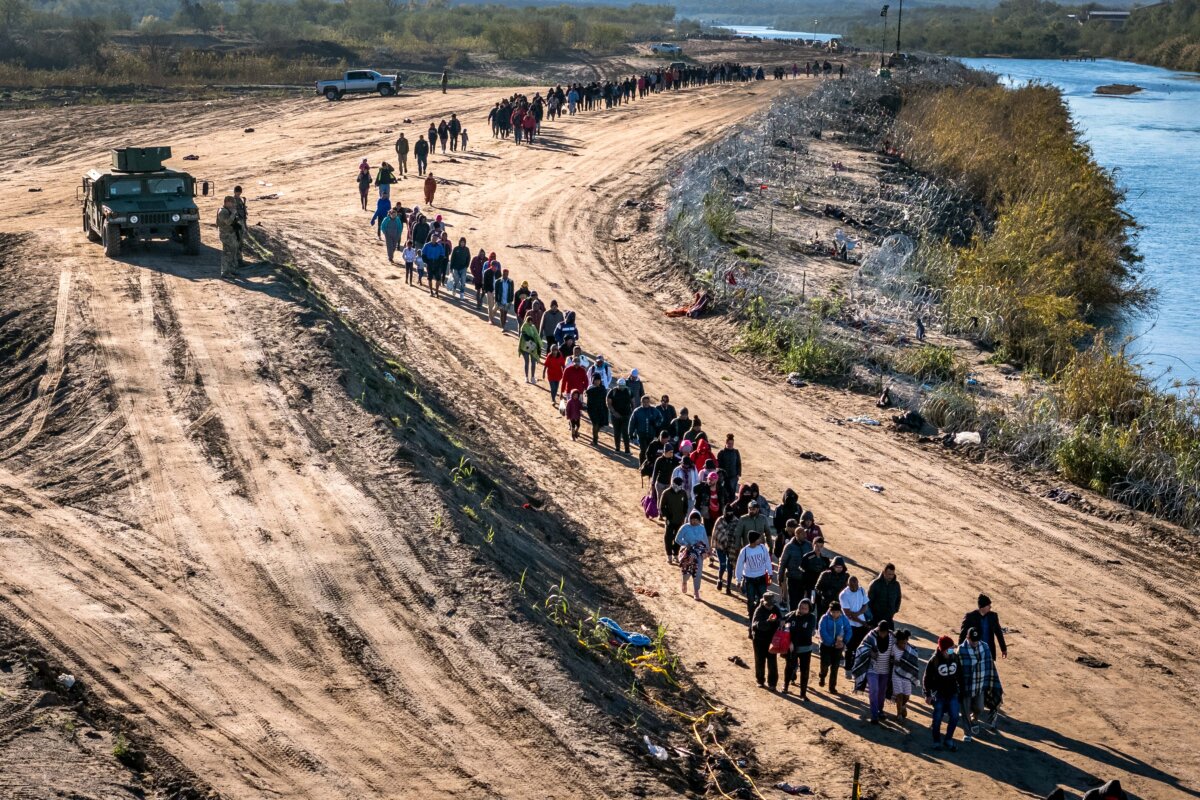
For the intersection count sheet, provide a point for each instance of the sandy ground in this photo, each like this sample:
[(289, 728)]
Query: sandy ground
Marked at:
[(229, 585)]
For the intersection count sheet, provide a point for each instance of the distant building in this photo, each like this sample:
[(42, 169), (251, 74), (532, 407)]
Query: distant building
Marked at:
[(1115, 17)]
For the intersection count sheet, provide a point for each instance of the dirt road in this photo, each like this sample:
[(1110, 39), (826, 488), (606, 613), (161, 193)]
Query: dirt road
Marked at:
[(228, 588)]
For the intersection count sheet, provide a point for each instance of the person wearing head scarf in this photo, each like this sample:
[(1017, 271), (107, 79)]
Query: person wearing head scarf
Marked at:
[(873, 667), (692, 541), (788, 509), (831, 582), (943, 685)]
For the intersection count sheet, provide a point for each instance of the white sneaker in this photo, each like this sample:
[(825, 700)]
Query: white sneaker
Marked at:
[(967, 738)]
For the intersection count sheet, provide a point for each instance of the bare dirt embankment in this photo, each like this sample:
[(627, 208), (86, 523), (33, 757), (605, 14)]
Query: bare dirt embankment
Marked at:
[(243, 546)]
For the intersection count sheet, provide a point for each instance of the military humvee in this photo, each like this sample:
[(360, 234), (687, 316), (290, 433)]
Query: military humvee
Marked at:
[(139, 199)]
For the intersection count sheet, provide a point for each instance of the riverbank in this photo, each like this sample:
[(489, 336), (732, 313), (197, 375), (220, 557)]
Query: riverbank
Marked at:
[(964, 244)]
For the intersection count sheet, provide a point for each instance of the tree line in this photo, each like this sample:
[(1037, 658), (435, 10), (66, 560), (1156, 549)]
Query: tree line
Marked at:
[(1165, 34)]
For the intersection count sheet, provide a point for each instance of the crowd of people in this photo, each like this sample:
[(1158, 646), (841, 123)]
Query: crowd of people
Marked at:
[(800, 598)]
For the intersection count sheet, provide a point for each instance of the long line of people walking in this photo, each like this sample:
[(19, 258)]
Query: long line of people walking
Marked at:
[(800, 598)]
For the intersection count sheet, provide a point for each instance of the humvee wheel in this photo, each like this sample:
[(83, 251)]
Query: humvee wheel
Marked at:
[(112, 240), (91, 234), (191, 239)]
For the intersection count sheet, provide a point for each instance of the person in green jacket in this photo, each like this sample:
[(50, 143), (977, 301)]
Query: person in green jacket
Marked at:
[(530, 346), (392, 228)]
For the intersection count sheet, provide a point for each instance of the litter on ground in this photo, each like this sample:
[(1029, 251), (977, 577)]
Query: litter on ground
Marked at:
[(635, 639), (874, 487), (864, 421)]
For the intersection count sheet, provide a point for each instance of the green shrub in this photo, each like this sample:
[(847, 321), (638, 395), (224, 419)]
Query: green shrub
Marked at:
[(818, 357), (1094, 460), (931, 362)]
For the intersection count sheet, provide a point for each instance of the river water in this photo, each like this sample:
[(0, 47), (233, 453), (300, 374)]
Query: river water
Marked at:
[(1152, 141), (763, 32)]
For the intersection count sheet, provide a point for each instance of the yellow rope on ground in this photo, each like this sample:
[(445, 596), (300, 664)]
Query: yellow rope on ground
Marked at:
[(696, 723)]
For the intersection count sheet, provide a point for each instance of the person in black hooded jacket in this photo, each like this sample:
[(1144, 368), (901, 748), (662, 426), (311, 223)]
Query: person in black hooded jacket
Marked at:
[(597, 408), (788, 509)]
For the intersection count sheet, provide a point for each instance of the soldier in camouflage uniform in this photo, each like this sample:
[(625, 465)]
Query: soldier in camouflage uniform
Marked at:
[(229, 228)]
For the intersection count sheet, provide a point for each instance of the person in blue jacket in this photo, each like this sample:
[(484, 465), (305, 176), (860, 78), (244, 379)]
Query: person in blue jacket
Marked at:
[(431, 254), (834, 632)]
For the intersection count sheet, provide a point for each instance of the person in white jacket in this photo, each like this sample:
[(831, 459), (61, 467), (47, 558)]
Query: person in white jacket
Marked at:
[(754, 571)]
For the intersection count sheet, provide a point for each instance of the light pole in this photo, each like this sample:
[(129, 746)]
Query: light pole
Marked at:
[(899, 21), (883, 44)]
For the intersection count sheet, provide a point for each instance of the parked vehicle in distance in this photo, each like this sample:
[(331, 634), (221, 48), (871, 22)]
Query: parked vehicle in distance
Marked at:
[(139, 199), (360, 81), (666, 49)]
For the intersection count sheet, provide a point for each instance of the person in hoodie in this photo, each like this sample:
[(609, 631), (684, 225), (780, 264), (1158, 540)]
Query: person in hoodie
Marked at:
[(834, 632), (421, 152), (788, 509), (382, 206), (754, 570), (393, 229), (597, 408), (884, 595), (692, 541), (574, 413), (673, 506), (420, 230), (702, 454), (765, 619), (432, 254), (686, 472), (567, 333), (476, 268), (943, 686), (550, 321), (802, 625), (681, 425), (831, 582), (812, 531), (636, 388), (791, 570)]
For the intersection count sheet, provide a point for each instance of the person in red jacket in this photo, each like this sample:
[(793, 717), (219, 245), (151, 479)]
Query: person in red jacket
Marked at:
[(574, 377), (529, 123), (574, 413), (553, 367)]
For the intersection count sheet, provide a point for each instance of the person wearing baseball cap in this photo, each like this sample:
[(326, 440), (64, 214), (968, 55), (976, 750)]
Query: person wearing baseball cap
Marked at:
[(944, 683)]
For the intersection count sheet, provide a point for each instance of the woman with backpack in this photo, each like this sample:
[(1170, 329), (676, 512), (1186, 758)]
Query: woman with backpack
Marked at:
[(692, 541), (801, 625)]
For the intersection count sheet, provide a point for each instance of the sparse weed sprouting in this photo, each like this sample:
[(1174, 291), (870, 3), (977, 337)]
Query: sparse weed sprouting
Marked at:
[(463, 471), (470, 513), (439, 521), (490, 536), (521, 583), (488, 500), (120, 748)]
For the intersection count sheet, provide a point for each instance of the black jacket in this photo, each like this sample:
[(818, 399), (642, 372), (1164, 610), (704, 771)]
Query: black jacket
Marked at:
[(663, 467), (995, 634), (667, 413), (730, 462), (944, 676), (813, 565), (421, 148), (420, 234), (765, 622), (597, 404), (789, 509), (460, 258), (622, 402), (802, 627)]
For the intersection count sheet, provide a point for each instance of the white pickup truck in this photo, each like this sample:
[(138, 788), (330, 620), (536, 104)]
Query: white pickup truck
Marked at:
[(360, 81)]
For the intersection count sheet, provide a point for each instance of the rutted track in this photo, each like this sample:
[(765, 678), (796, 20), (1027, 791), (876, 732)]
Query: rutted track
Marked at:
[(294, 576)]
